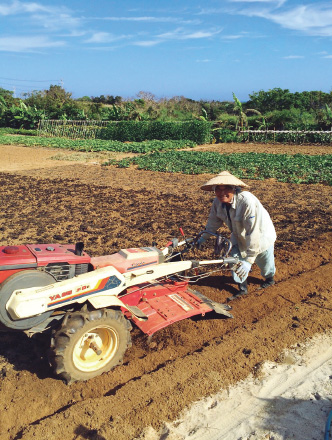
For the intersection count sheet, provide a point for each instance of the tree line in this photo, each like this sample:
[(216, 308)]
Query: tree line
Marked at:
[(277, 109)]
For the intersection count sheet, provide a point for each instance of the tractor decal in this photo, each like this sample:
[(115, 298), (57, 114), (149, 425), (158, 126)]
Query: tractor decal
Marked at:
[(105, 284), (138, 265), (58, 296)]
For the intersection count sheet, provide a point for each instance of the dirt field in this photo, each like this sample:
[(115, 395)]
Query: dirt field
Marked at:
[(50, 201)]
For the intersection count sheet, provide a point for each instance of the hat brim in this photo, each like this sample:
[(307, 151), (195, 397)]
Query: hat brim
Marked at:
[(223, 180)]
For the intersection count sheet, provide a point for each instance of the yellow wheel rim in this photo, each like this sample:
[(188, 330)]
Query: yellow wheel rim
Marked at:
[(95, 348)]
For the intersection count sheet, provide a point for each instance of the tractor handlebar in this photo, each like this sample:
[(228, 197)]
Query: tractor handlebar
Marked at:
[(222, 244)]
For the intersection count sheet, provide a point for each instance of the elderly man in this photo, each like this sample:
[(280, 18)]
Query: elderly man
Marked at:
[(252, 231)]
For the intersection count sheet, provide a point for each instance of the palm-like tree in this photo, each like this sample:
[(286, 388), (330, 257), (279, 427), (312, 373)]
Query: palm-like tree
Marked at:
[(242, 121)]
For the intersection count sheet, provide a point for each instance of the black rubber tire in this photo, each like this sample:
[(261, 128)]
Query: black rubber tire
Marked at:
[(22, 280), (71, 355)]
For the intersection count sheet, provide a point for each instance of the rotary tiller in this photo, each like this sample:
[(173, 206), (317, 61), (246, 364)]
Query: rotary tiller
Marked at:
[(86, 304)]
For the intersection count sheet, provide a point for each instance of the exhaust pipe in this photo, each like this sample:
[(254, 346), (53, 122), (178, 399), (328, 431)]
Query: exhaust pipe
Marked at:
[(79, 248)]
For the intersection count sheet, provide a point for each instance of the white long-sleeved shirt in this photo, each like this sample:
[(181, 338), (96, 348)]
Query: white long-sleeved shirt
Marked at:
[(250, 223)]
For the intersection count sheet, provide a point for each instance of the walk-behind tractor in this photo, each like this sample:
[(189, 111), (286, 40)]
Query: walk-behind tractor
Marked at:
[(86, 304)]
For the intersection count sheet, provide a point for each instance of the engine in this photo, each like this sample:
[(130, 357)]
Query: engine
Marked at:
[(60, 261)]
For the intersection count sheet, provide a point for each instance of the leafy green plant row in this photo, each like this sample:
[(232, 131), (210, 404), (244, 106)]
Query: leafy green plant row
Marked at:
[(298, 168), (97, 144), (22, 131), (138, 131), (271, 136), (292, 137)]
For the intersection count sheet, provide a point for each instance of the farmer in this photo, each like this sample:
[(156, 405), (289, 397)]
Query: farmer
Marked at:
[(252, 231)]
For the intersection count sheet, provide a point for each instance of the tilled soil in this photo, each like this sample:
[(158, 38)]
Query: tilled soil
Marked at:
[(109, 209)]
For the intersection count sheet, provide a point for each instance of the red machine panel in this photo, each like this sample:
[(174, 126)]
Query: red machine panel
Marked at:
[(14, 256), (164, 304), (129, 259), (13, 259), (57, 253)]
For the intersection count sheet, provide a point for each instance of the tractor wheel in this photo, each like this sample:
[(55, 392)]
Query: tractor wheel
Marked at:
[(22, 280), (89, 343)]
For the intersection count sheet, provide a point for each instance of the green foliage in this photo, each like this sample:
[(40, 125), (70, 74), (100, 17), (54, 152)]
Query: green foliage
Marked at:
[(283, 99), (22, 131), (224, 135), (3, 106), (125, 112), (275, 99), (292, 119), (298, 168), (287, 137), (138, 131), (21, 116), (243, 120), (56, 103), (226, 121), (6, 98), (97, 144), (274, 109), (324, 117), (108, 99), (214, 109)]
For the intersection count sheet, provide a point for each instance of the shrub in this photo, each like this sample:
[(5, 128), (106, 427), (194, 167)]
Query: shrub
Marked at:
[(138, 131)]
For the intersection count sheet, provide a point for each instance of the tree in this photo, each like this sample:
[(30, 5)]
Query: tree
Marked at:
[(146, 96), (324, 118), (7, 97), (283, 99), (84, 99), (275, 99), (21, 116), (242, 121)]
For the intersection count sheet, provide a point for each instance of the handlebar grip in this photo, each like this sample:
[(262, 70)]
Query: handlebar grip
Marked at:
[(230, 260)]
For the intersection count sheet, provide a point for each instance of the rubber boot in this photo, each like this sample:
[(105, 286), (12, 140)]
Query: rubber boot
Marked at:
[(243, 288), (267, 283)]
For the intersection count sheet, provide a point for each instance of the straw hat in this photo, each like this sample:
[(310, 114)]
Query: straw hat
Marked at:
[(223, 178)]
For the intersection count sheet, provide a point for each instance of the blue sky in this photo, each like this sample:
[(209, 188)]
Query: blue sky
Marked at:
[(200, 49)]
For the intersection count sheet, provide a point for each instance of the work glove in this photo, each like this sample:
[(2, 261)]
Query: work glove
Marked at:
[(243, 270), (199, 243)]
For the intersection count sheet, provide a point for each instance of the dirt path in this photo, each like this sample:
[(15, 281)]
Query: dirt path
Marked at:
[(111, 208)]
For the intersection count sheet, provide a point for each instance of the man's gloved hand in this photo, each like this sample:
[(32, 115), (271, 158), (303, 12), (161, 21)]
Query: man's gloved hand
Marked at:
[(243, 270), (199, 243)]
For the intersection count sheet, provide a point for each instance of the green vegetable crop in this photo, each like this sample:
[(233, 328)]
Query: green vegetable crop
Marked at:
[(298, 168), (96, 144)]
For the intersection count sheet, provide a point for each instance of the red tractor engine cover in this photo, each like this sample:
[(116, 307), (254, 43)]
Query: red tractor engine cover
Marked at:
[(130, 259), (32, 256)]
